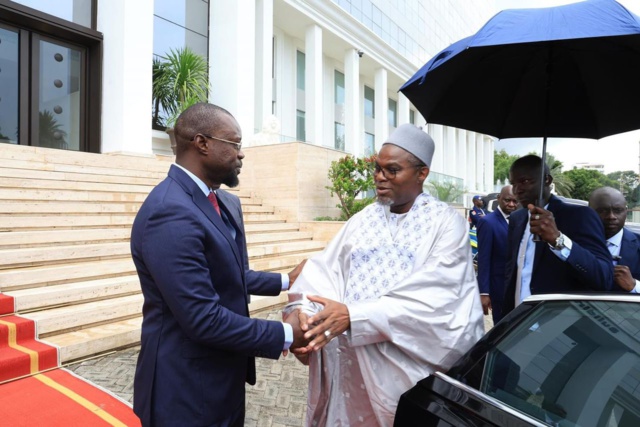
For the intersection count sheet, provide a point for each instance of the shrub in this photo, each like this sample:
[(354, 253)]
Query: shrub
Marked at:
[(350, 177)]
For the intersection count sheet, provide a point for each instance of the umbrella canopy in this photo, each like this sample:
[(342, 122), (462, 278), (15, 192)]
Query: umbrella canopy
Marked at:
[(566, 71)]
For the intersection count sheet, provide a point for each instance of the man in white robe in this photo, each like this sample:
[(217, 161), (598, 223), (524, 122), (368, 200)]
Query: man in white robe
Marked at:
[(399, 298)]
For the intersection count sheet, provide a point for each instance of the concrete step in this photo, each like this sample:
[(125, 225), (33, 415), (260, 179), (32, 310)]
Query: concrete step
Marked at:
[(274, 227), (29, 277), (25, 239), (19, 258), (44, 184), (254, 238), (269, 250), (281, 264), (24, 222), (74, 292), (250, 218), (69, 195)]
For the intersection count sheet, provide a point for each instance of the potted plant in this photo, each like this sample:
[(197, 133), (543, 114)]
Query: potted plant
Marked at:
[(180, 80)]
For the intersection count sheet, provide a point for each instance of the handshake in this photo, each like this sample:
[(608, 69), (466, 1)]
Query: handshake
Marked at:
[(311, 332)]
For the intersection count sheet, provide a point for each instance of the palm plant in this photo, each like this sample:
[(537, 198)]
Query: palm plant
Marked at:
[(51, 133), (180, 80)]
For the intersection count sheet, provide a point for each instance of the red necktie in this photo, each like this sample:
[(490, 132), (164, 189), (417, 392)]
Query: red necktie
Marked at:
[(214, 201)]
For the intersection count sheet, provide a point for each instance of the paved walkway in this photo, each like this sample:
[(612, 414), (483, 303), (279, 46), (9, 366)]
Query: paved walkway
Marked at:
[(278, 399)]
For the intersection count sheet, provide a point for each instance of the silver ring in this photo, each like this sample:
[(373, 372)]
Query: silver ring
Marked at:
[(327, 333), (537, 217)]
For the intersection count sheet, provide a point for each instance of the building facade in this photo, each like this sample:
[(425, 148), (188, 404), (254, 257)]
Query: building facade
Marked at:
[(76, 74)]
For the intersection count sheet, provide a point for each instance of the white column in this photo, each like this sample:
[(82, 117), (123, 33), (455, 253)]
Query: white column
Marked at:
[(354, 137), (472, 179), (232, 62), (461, 143), (403, 109), (313, 84), (437, 133), (489, 148), (381, 107), (264, 61), (451, 152), (127, 78), (480, 164)]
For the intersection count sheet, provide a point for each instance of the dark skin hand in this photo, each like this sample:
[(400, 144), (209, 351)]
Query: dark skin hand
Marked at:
[(293, 274), (334, 319), (543, 224), (622, 277), (295, 319), (486, 303)]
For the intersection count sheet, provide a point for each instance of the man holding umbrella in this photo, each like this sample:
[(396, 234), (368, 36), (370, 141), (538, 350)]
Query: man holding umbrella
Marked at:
[(572, 255)]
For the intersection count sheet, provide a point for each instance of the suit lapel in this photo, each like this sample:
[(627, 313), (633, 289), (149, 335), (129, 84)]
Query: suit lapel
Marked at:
[(628, 249)]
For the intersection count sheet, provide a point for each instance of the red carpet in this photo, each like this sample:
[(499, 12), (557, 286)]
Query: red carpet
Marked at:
[(20, 353), (6, 304), (59, 398)]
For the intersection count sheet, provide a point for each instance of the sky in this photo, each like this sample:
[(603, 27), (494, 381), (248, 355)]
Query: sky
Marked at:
[(616, 152)]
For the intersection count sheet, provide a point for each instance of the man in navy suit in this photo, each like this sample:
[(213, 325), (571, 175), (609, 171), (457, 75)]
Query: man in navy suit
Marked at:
[(198, 343), (624, 245), (492, 253), (572, 255)]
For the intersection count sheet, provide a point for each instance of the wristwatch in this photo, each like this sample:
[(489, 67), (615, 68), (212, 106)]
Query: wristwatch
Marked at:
[(559, 243)]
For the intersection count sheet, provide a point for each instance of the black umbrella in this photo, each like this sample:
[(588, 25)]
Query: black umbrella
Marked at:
[(566, 71)]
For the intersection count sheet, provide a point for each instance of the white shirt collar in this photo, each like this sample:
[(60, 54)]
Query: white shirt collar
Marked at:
[(206, 190), (616, 239)]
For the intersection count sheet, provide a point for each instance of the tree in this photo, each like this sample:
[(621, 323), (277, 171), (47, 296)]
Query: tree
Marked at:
[(502, 161), (351, 176), (627, 180), (562, 184), (585, 181), (447, 191)]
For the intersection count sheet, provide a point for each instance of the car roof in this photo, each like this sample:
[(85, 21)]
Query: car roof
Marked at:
[(595, 296)]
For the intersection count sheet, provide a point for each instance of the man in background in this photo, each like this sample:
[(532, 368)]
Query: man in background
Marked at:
[(624, 245), (571, 255), (477, 211), (492, 253)]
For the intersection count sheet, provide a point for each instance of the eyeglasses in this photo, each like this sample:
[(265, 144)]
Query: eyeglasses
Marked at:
[(390, 173), (237, 144)]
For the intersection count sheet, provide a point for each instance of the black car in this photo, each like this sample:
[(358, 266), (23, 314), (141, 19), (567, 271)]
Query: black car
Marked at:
[(556, 360)]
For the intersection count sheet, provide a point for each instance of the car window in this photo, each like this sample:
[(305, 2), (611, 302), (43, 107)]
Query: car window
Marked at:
[(571, 363)]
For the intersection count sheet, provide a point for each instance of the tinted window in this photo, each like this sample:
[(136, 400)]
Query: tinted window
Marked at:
[(571, 363)]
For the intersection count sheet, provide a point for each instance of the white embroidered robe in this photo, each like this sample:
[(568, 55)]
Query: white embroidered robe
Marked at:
[(413, 303)]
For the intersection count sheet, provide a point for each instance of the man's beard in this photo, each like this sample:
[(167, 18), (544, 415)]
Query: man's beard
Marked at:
[(385, 201), (231, 180)]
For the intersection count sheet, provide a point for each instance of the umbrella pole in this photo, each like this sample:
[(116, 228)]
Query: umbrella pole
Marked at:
[(543, 159)]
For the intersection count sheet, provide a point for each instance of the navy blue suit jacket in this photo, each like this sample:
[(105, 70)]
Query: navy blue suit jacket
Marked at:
[(630, 252), (198, 343), (588, 268), (492, 256)]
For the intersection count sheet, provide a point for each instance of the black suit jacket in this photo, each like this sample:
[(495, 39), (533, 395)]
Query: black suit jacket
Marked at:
[(630, 252), (588, 268)]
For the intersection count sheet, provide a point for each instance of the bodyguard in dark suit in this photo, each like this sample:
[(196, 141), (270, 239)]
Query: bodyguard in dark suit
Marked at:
[(492, 253), (572, 255), (198, 343), (624, 245)]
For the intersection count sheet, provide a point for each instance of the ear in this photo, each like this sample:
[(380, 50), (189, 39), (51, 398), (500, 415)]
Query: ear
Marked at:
[(201, 144), (548, 179), (423, 173)]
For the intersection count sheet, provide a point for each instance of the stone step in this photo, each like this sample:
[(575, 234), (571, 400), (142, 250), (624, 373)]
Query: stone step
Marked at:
[(250, 218), (9, 171), (69, 195), (23, 239), (58, 320), (29, 277), (254, 238), (98, 339), (281, 264), (270, 250), (275, 227), (57, 207), (73, 293), (19, 258), (24, 222), (43, 184)]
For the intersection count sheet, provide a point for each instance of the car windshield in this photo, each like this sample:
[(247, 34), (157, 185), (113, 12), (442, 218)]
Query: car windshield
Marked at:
[(571, 363)]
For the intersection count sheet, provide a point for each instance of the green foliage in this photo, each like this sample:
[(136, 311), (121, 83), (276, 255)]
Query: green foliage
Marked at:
[(180, 80), (447, 191), (351, 176), (501, 163), (585, 181), (626, 181), (50, 132), (325, 218)]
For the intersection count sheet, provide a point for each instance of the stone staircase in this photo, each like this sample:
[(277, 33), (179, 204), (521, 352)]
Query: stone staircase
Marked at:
[(65, 221)]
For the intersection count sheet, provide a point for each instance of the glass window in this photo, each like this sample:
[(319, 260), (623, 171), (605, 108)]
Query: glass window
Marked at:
[(369, 99), (191, 14), (300, 126), (339, 87), (78, 11), (339, 140), (59, 90), (9, 99), (571, 363), (412, 117), (393, 113), (369, 144), (167, 36), (300, 69)]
